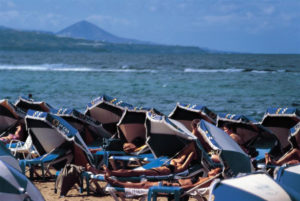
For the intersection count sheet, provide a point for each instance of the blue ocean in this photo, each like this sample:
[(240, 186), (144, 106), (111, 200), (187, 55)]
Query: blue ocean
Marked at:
[(231, 83)]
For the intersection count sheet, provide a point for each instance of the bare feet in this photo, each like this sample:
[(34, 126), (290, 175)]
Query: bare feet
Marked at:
[(92, 169), (268, 159), (214, 172)]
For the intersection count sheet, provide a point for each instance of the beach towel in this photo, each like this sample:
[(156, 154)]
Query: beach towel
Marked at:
[(69, 176)]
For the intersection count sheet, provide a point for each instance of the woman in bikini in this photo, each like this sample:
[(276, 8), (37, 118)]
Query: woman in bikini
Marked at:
[(183, 183)]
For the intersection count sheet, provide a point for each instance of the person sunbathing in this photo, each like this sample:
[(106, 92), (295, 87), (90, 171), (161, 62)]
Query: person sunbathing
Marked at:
[(292, 157), (177, 164), (237, 138), (183, 183), (19, 134)]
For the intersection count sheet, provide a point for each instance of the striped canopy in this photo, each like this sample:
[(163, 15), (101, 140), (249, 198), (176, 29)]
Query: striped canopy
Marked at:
[(280, 121), (288, 177), (49, 132), (281, 117), (81, 122), (108, 111), (251, 131), (186, 113), (15, 186), (25, 104), (6, 156), (9, 115), (231, 153), (165, 136), (252, 187)]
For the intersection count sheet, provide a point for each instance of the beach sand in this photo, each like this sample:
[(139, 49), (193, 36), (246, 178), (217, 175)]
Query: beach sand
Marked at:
[(47, 190)]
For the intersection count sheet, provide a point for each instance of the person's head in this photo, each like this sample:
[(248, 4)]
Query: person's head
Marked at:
[(228, 128), (195, 123)]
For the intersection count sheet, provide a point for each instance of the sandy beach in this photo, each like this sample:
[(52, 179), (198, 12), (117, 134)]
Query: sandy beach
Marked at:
[(47, 190)]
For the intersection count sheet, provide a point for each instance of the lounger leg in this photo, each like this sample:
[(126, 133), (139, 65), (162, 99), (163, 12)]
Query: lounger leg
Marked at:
[(43, 170), (87, 180)]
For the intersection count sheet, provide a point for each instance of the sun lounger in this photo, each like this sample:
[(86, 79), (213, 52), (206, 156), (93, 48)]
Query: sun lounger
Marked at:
[(26, 149), (57, 159)]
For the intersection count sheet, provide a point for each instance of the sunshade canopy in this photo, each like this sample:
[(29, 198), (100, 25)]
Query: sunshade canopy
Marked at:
[(81, 121), (9, 115), (6, 156), (281, 117), (26, 104), (231, 153), (132, 125), (185, 113), (280, 120), (49, 132), (165, 136), (288, 178), (251, 131), (107, 110), (252, 187), (15, 186), (294, 137)]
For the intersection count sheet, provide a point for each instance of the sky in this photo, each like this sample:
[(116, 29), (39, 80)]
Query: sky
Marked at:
[(254, 26)]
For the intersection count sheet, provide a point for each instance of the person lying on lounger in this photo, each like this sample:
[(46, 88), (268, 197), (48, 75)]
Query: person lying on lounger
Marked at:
[(183, 183), (19, 134), (290, 158), (177, 164)]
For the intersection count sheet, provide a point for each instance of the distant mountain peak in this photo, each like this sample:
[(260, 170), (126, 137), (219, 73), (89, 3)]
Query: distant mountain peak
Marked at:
[(89, 31)]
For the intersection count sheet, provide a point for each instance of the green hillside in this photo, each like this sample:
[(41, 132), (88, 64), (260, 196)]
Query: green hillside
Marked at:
[(15, 40)]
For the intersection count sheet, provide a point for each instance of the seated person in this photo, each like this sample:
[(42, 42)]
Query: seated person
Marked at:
[(183, 183), (177, 164), (290, 158), (237, 138), (19, 134)]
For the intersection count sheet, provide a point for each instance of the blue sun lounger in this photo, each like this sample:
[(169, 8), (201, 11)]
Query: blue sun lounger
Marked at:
[(58, 156)]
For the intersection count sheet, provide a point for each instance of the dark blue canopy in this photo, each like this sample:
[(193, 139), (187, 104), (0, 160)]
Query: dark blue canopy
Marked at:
[(49, 132), (252, 187), (108, 111), (81, 121), (280, 121), (9, 115), (249, 129), (25, 104), (288, 178), (281, 117), (186, 113), (230, 152)]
